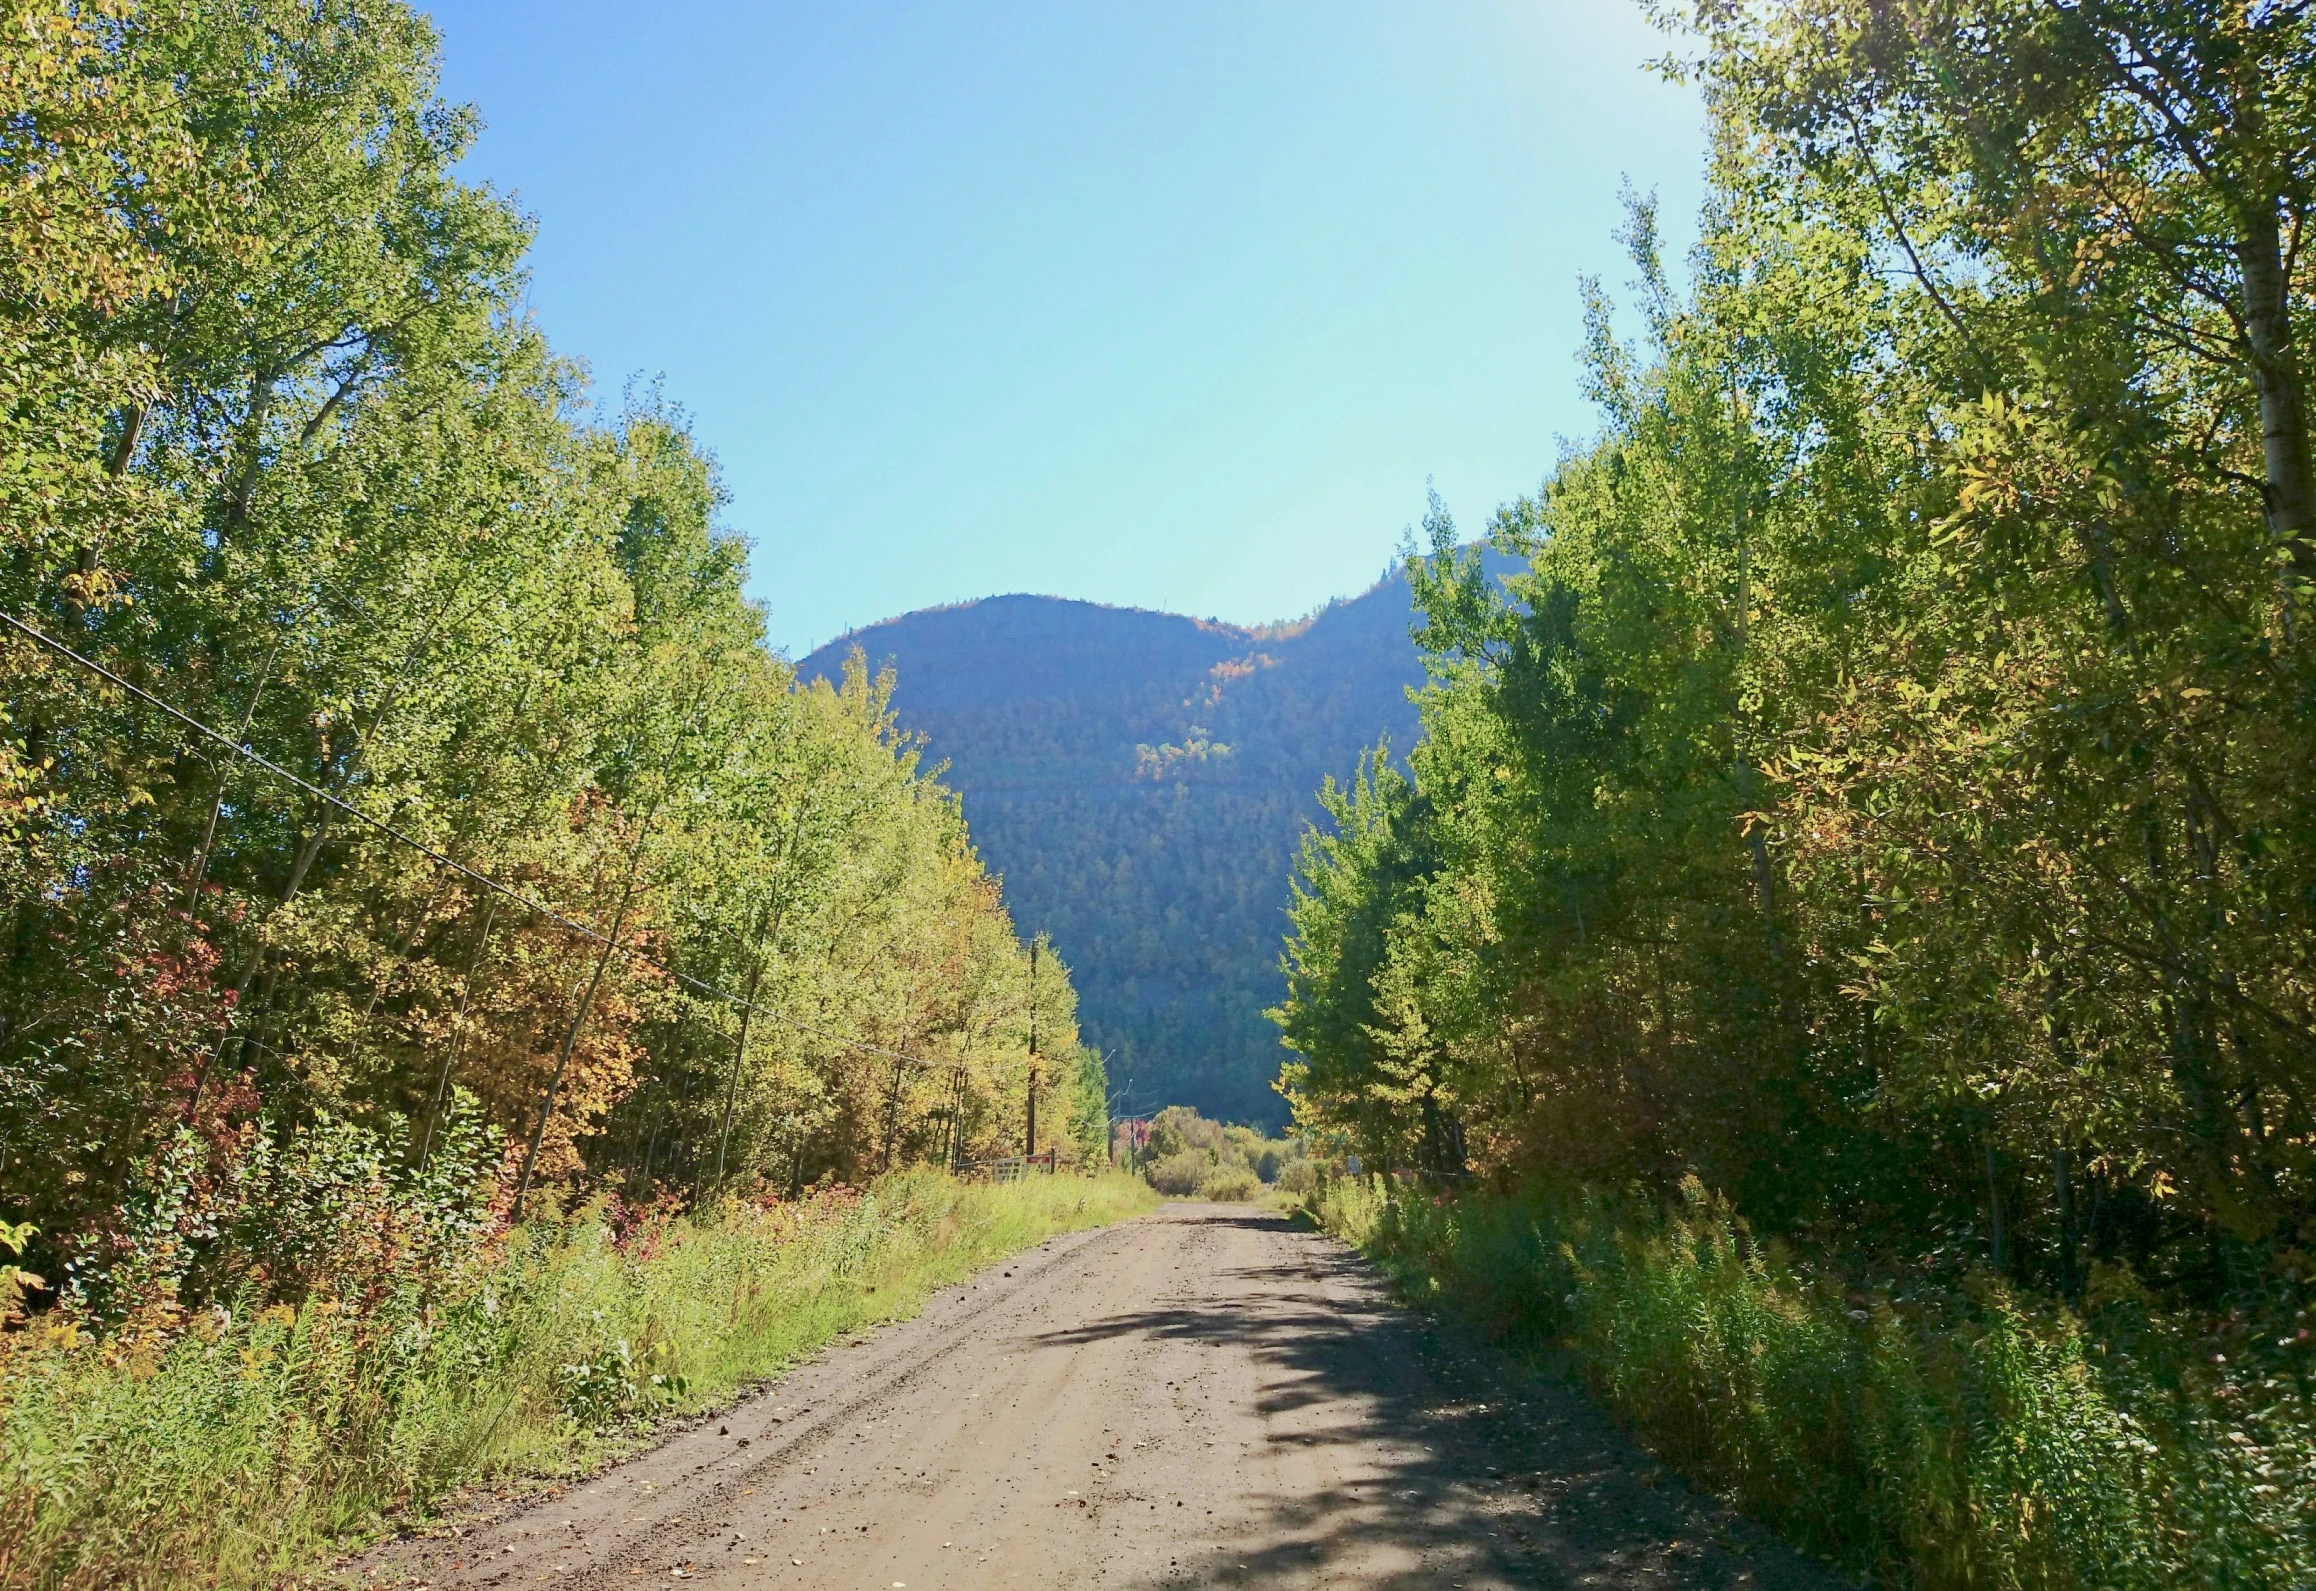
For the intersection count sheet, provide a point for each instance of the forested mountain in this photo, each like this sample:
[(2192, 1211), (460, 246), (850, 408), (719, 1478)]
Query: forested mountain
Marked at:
[(1139, 780)]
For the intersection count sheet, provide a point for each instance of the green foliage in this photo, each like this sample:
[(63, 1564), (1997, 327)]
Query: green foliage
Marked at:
[(1931, 1436), (1886, 793), (1088, 1095), (1885, 799), (1180, 1129), (284, 450), (249, 1444), (1188, 1155), (1230, 1185), (1178, 1175), (1297, 1179)]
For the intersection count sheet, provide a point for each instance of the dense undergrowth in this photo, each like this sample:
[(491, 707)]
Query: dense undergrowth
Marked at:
[(1932, 1431), (1183, 1155), (244, 1444)]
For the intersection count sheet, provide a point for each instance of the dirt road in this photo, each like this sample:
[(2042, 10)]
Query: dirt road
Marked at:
[(1206, 1396)]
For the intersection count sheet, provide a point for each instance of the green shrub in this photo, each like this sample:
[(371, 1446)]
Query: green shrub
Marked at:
[(1939, 1436), (1299, 1178), (1230, 1185), (1178, 1175), (1179, 1128)]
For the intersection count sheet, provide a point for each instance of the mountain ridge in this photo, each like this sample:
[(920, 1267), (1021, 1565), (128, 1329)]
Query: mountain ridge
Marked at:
[(1140, 780)]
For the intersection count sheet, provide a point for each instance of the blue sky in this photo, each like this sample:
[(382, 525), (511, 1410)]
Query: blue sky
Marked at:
[(1176, 305)]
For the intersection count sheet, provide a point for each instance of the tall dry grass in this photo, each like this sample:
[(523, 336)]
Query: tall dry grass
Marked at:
[(238, 1447)]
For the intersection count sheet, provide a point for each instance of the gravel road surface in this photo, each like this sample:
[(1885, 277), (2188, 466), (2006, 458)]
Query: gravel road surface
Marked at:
[(1206, 1396)]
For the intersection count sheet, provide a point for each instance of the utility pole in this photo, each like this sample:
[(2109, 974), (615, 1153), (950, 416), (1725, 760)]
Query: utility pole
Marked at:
[(1029, 1140)]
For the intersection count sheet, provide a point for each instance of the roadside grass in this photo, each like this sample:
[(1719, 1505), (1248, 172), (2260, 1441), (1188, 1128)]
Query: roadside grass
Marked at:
[(1933, 1436), (246, 1447)]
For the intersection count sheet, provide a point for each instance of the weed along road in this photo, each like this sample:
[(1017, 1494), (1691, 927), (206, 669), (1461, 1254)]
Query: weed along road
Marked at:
[(1210, 1395)]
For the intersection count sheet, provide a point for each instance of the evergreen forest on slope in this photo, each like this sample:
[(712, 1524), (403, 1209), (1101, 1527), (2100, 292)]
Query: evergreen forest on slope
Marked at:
[(1138, 781)]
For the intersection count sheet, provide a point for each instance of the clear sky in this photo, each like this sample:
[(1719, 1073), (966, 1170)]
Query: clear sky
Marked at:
[(1174, 303)]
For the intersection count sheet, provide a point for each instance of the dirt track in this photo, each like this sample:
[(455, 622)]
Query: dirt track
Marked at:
[(1207, 1396)]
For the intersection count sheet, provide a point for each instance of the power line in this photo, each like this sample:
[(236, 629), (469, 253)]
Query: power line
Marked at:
[(43, 639)]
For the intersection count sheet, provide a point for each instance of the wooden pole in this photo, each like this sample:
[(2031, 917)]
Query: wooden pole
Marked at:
[(1029, 1140)]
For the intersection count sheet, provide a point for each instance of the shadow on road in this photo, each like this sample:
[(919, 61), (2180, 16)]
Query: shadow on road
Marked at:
[(1470, 1472)]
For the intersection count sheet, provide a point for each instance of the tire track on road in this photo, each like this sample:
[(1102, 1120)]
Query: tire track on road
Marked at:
[(1210, 1395)]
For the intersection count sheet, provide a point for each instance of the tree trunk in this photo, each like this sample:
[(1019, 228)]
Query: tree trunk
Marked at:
[(457, 1030), (579, 1021), (739, 1055), (2070, 1284), (893, 1113), (200, 870), (1998, 1249), (2276, 377)]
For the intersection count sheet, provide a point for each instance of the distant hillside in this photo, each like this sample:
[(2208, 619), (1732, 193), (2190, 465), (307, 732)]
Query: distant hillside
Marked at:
[(1140, 779)]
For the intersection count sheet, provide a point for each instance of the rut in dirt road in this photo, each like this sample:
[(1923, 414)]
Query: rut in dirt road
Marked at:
[(1206, 1396)]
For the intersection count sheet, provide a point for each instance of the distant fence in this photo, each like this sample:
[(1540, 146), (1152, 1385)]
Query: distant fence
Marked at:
[(1008, 1168)]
